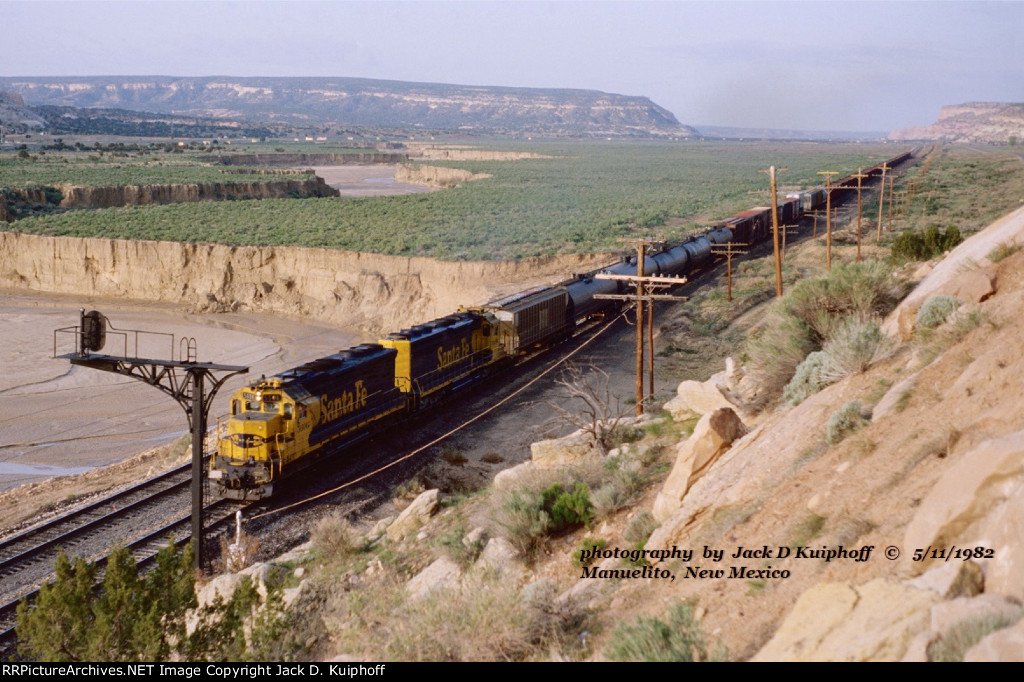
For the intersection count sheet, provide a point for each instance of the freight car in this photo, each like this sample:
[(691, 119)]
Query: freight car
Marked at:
[(279, 425)]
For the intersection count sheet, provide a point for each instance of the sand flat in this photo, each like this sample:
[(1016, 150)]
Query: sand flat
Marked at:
[(56, 418)]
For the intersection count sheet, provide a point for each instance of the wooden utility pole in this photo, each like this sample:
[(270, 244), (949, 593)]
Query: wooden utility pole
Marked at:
[(774, 229), (860, 177), (644, 297), (892, 182), (772, 171), (785, 230), (828, 217), (728, 251), (881, 203), (814, 213)]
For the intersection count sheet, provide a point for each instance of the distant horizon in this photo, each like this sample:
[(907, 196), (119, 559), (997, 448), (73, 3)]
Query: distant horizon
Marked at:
[(853, 66)]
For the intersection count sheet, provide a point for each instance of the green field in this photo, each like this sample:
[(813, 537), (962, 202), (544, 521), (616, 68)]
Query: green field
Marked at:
[(585, 197), (92, 170), (966, 188)]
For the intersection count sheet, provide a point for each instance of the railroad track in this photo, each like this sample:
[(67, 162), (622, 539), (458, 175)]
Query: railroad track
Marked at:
[(135, 517)]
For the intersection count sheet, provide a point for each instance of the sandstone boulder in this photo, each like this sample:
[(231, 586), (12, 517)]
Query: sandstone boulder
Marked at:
[(442, 573), (713, 435), (955, 622), (695, 398), (952, 580), (506, 479), (979, 502), (839, 622), (558, 452), (415, 515), (972, 286)]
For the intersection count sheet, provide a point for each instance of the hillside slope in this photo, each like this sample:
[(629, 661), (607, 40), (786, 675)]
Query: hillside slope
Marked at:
[(939, 465), (802, 544)]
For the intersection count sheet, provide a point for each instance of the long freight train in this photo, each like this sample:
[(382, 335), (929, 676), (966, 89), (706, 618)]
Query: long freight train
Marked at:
[(279, 424)]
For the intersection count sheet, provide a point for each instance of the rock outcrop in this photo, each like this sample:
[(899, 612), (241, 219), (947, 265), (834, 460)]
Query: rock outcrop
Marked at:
[(73, 196), (979, 502), (840, 622), (713, 435)]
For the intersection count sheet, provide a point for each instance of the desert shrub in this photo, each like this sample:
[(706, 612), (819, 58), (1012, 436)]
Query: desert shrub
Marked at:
[(1003, 250), (953, 644), (522, 516), (936, 310), (624, 478), (640, 528), (529, 514), (651, 639), (854, 344), (587, 544), (458, 547), (843, 422), (807, 380), (806, 530), (861, 290), (815, 311), (777, 350), (483, 619)]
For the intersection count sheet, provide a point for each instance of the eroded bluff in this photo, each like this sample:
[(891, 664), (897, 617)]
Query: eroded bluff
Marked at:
[(371, 291)]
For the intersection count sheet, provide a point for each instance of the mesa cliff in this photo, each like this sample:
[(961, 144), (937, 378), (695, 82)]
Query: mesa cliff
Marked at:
[(361, 102), (370, 291), (991, 122)]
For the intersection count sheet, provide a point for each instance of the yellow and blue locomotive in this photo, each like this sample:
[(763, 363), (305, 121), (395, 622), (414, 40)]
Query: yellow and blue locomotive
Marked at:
[(279, 424)]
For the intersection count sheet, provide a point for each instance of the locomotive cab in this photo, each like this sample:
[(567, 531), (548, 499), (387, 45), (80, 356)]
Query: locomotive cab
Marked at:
[(259, 433)]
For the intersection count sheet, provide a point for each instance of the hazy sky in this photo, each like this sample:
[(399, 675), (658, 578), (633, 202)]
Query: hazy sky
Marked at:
[(812, 65)]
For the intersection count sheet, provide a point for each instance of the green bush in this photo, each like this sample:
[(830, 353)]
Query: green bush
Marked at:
[(925, 245), (529, 515), (651, 639), (937, 310), (567, 509), (833, 314)]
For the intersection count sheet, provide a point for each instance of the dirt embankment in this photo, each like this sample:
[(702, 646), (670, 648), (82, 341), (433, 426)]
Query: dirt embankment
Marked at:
[(283, 159), (370, 291), (73, 196), (131, 195), (441, 152), (436, 177)]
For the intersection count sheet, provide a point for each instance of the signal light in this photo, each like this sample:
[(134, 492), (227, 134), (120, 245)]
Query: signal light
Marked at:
[(94, 330)]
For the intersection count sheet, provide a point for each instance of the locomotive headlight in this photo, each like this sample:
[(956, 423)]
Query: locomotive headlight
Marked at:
[(259, 395)]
